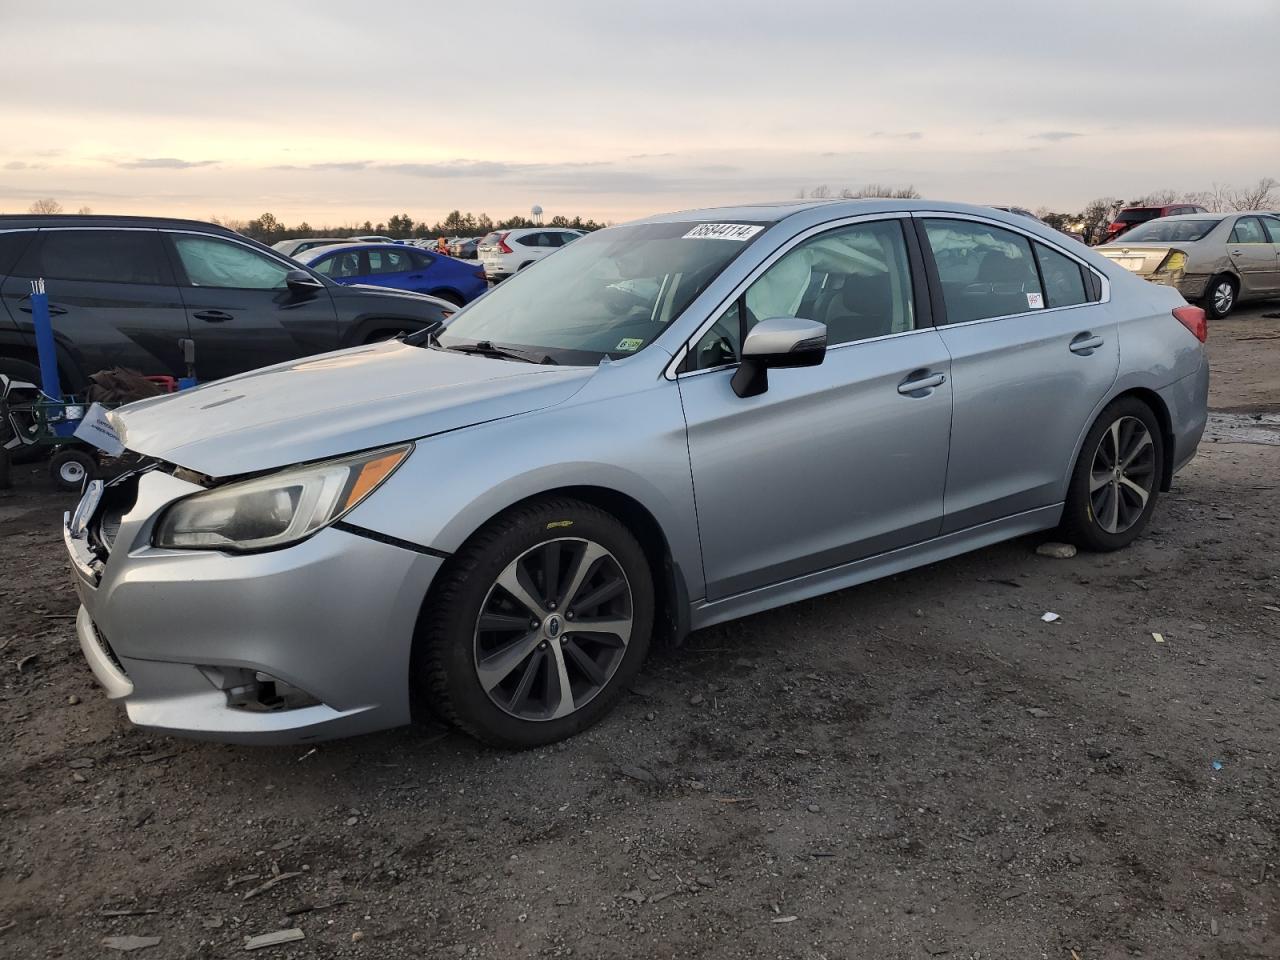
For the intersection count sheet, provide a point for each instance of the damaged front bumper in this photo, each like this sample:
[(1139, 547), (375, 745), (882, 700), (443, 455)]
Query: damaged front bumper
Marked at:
[(304, 643)]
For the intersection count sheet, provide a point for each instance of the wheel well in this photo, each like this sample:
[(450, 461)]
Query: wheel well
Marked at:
[(1157, 406)]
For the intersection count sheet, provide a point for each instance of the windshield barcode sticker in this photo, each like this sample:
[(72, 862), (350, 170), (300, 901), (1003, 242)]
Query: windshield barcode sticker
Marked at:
[(723, 231)]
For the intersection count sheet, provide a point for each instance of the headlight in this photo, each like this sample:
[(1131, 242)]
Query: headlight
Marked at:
[(279, 509), (1173, 263)]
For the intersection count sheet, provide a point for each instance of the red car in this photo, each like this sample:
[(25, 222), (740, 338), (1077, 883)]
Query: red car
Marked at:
[(1130, 217)]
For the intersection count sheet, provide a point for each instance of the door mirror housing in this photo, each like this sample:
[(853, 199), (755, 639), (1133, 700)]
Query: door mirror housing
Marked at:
[(299, 281), (779, 342)]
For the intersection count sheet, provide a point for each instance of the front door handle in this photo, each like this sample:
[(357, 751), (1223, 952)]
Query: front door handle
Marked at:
[(1085, 343), (213, 316), (912, 386)]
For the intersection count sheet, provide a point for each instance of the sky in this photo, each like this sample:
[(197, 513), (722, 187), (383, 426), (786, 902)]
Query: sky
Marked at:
[(340, 112)]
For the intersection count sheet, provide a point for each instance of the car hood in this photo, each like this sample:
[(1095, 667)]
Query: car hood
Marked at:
[(335, 404), (364, 289)]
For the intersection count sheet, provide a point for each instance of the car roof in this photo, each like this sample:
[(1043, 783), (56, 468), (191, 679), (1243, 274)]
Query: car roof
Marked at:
[(17, 221), (778, 211), (316, 252)]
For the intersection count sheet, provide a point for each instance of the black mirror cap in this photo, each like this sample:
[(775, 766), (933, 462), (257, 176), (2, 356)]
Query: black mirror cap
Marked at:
[(300, 281)]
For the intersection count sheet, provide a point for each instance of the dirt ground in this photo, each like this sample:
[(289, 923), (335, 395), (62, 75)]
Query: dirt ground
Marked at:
[(916, 767)]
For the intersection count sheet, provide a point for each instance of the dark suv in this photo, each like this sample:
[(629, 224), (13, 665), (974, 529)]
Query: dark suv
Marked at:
[(126, 291)]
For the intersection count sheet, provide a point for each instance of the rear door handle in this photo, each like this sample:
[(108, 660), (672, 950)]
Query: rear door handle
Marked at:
[(213, 316), (1085, 343), (910, 387)]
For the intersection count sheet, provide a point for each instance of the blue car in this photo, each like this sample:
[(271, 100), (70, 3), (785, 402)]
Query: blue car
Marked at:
[(400, 267)]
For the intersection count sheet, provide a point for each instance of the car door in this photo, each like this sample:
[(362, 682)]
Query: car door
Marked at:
[(241, 311), (112, 298), (1272, 226), (832, 463), (394, 268), (1031, 359), (1253, 255)]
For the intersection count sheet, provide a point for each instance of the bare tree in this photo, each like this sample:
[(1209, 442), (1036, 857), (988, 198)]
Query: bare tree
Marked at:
[(881, 190), (46, 205), (820, 192), (1261, 196), (84, 211), (1157, 198), (1096, 216)]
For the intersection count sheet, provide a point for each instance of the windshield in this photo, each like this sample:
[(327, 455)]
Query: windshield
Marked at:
[(608, 294), (1170, 231)]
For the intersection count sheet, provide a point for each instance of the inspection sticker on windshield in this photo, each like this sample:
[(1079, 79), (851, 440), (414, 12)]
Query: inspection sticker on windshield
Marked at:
[(629, 344), (1035, 301), (723, 231)]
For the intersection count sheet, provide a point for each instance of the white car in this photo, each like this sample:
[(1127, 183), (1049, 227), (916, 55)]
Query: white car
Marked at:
[(503, 252)]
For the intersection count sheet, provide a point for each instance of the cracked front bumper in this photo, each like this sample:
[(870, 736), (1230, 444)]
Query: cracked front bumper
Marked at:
[(332, 617)]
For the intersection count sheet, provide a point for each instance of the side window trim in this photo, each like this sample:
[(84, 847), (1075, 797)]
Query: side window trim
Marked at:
[(1098, 288), (921, 313)]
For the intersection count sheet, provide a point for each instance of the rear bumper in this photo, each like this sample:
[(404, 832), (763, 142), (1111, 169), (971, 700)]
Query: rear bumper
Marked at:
[(177, 636), (1191, 286), (1187, 401)]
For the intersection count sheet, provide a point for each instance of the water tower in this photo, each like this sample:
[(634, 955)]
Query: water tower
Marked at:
[(536, 213)]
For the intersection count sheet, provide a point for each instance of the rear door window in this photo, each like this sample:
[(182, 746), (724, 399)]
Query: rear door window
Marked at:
[(1063, 282), (12, 243), (1248, 230), (389, 261), (1273, 228), (100, 256), (985, 271)]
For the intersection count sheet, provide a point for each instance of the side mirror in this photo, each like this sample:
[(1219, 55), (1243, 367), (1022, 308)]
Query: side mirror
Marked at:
[(299, 281), (779, 342)]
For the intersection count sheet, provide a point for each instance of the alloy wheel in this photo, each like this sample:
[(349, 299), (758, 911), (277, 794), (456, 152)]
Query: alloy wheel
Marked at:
[(553, 629), (1123, 475), (1224, 297)]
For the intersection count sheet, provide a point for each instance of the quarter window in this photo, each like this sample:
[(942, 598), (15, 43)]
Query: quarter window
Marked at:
[(856, 280), (1273, 228), (210, 262), (985, 271), (1063, 283), (120, 256), (1248, 230)]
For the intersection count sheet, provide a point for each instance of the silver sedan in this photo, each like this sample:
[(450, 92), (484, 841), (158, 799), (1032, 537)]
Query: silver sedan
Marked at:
[(668, 425)]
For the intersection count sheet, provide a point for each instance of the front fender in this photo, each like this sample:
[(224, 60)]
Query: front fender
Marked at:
[(633, 444)]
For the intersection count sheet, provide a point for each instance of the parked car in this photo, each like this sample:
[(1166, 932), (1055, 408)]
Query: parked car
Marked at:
[(1130, 217), (668, 425), (1215, 259), (504, 252), (464, 248), (126, 291), (401, 267), (373, 238), (291, 248)]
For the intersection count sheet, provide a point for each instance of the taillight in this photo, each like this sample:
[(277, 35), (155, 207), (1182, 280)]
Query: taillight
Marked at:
[(1195, 320), (479, 274), (502, 243)]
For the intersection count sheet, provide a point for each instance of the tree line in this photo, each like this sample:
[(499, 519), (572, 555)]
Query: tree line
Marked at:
[(398, 226)]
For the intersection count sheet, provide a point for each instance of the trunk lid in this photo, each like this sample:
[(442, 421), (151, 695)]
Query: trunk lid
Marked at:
[(1140, 259)]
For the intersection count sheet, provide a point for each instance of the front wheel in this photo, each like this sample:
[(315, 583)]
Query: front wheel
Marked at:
[(538, 624), (1116, 482)]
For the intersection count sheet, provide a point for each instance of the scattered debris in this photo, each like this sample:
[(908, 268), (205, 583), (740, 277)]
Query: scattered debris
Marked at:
[(308, 753), (639, 773), (1039, 713), (696, 700), (1213, 927), (80, 763), (1059, 551), (73, 700), (814, 808), (127, 912), (786, 919), (277, 879), (1014, 893), (129, 942), (314, 908), (29, 658), (156, 757), (936, 949), (635, 896), (1158, 637), (1050, 617), (1217, 764), (273, 938)]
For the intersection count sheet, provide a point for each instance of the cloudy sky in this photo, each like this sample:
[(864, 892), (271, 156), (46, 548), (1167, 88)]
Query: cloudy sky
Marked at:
[(338, 112)]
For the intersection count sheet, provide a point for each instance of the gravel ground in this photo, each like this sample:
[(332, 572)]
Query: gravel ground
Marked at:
[(916, 767)]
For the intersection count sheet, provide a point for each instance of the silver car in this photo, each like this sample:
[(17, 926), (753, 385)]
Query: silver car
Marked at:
[(670, 424), (1218, 259)]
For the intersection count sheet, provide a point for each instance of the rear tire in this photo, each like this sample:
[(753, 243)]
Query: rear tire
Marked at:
[(1116, 481), (449, 297), (522, 671), (24, 372), (1220, 296)]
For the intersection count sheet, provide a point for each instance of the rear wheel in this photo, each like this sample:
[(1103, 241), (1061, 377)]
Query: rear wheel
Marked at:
[(1116, 481), (538, 625), (1220, 296), (449, 296)]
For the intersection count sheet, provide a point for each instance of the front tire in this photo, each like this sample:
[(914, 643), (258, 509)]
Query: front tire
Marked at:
[(537, 626), (1116, 481), (1220, 296)]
